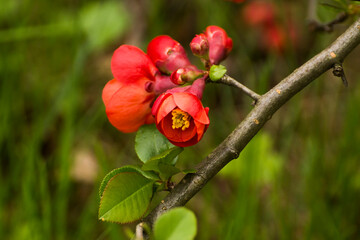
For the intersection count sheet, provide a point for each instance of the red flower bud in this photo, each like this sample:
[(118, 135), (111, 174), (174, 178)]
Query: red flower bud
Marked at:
[(127, 98), (200, 46), (184, 75), (167, 54), (181, 118), (220, 44)]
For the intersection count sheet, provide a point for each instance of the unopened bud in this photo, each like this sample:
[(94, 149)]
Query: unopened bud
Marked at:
[(200, 46), (184, 75), (220, 44), (167, 54)]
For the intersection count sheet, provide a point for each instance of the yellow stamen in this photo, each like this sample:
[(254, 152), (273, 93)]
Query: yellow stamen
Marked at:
[(180, 119)]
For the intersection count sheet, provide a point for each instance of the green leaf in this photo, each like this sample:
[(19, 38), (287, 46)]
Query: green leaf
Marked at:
[(129, 168), (167, 156), (103, 22), (217, 72), (126, 197), (165, 170), (163, 163), (149, 142), (176, 224)]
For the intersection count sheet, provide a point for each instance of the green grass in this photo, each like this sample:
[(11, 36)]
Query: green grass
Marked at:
[(298, 179)]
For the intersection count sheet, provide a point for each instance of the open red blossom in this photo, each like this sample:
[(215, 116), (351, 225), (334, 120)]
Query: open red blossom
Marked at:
[(127, 98), (167, 54), (220, 45), (181, 118)]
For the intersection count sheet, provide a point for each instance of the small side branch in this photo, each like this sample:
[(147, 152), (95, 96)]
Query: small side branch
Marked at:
[(329, 26), (232, 82)]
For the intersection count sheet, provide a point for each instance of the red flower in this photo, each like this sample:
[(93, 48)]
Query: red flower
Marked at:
[(259, 13), (181, 117), (127, 98), (220, 45), (167, 54)]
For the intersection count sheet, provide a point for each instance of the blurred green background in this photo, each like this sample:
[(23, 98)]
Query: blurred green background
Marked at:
[(298, 179)]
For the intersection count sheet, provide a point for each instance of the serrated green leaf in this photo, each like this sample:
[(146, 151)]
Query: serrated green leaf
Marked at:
[(126, 198), (129, 168), (176, 224), (149, 142), (217, 72)]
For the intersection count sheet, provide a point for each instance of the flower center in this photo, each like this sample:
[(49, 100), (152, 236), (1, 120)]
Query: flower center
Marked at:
[(180, 119)]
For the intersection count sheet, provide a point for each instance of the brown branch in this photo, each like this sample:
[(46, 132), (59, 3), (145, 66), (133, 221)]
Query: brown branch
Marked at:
[(227, 80), (329, 26), (267, 105)]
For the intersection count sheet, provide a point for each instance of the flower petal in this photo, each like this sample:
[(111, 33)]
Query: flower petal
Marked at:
[(167, 105), (177, 135), (110, 88), (129, 107), (129, 64), (192, 105), (191, 142)]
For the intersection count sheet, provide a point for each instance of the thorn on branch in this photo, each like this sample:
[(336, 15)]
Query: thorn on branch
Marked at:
[(338, 71), (329, 26)]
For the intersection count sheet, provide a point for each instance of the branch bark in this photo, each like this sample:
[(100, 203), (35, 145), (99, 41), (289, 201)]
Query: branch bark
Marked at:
[(329, 26), (227, 80), (265, 107)]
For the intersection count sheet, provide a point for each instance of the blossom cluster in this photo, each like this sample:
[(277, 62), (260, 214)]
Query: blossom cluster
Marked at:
[(147, 87)]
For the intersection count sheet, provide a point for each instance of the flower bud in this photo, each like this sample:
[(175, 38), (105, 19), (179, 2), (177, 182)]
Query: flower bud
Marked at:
[(220, 44), (184, 75), (200, 46), (167, 54)]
